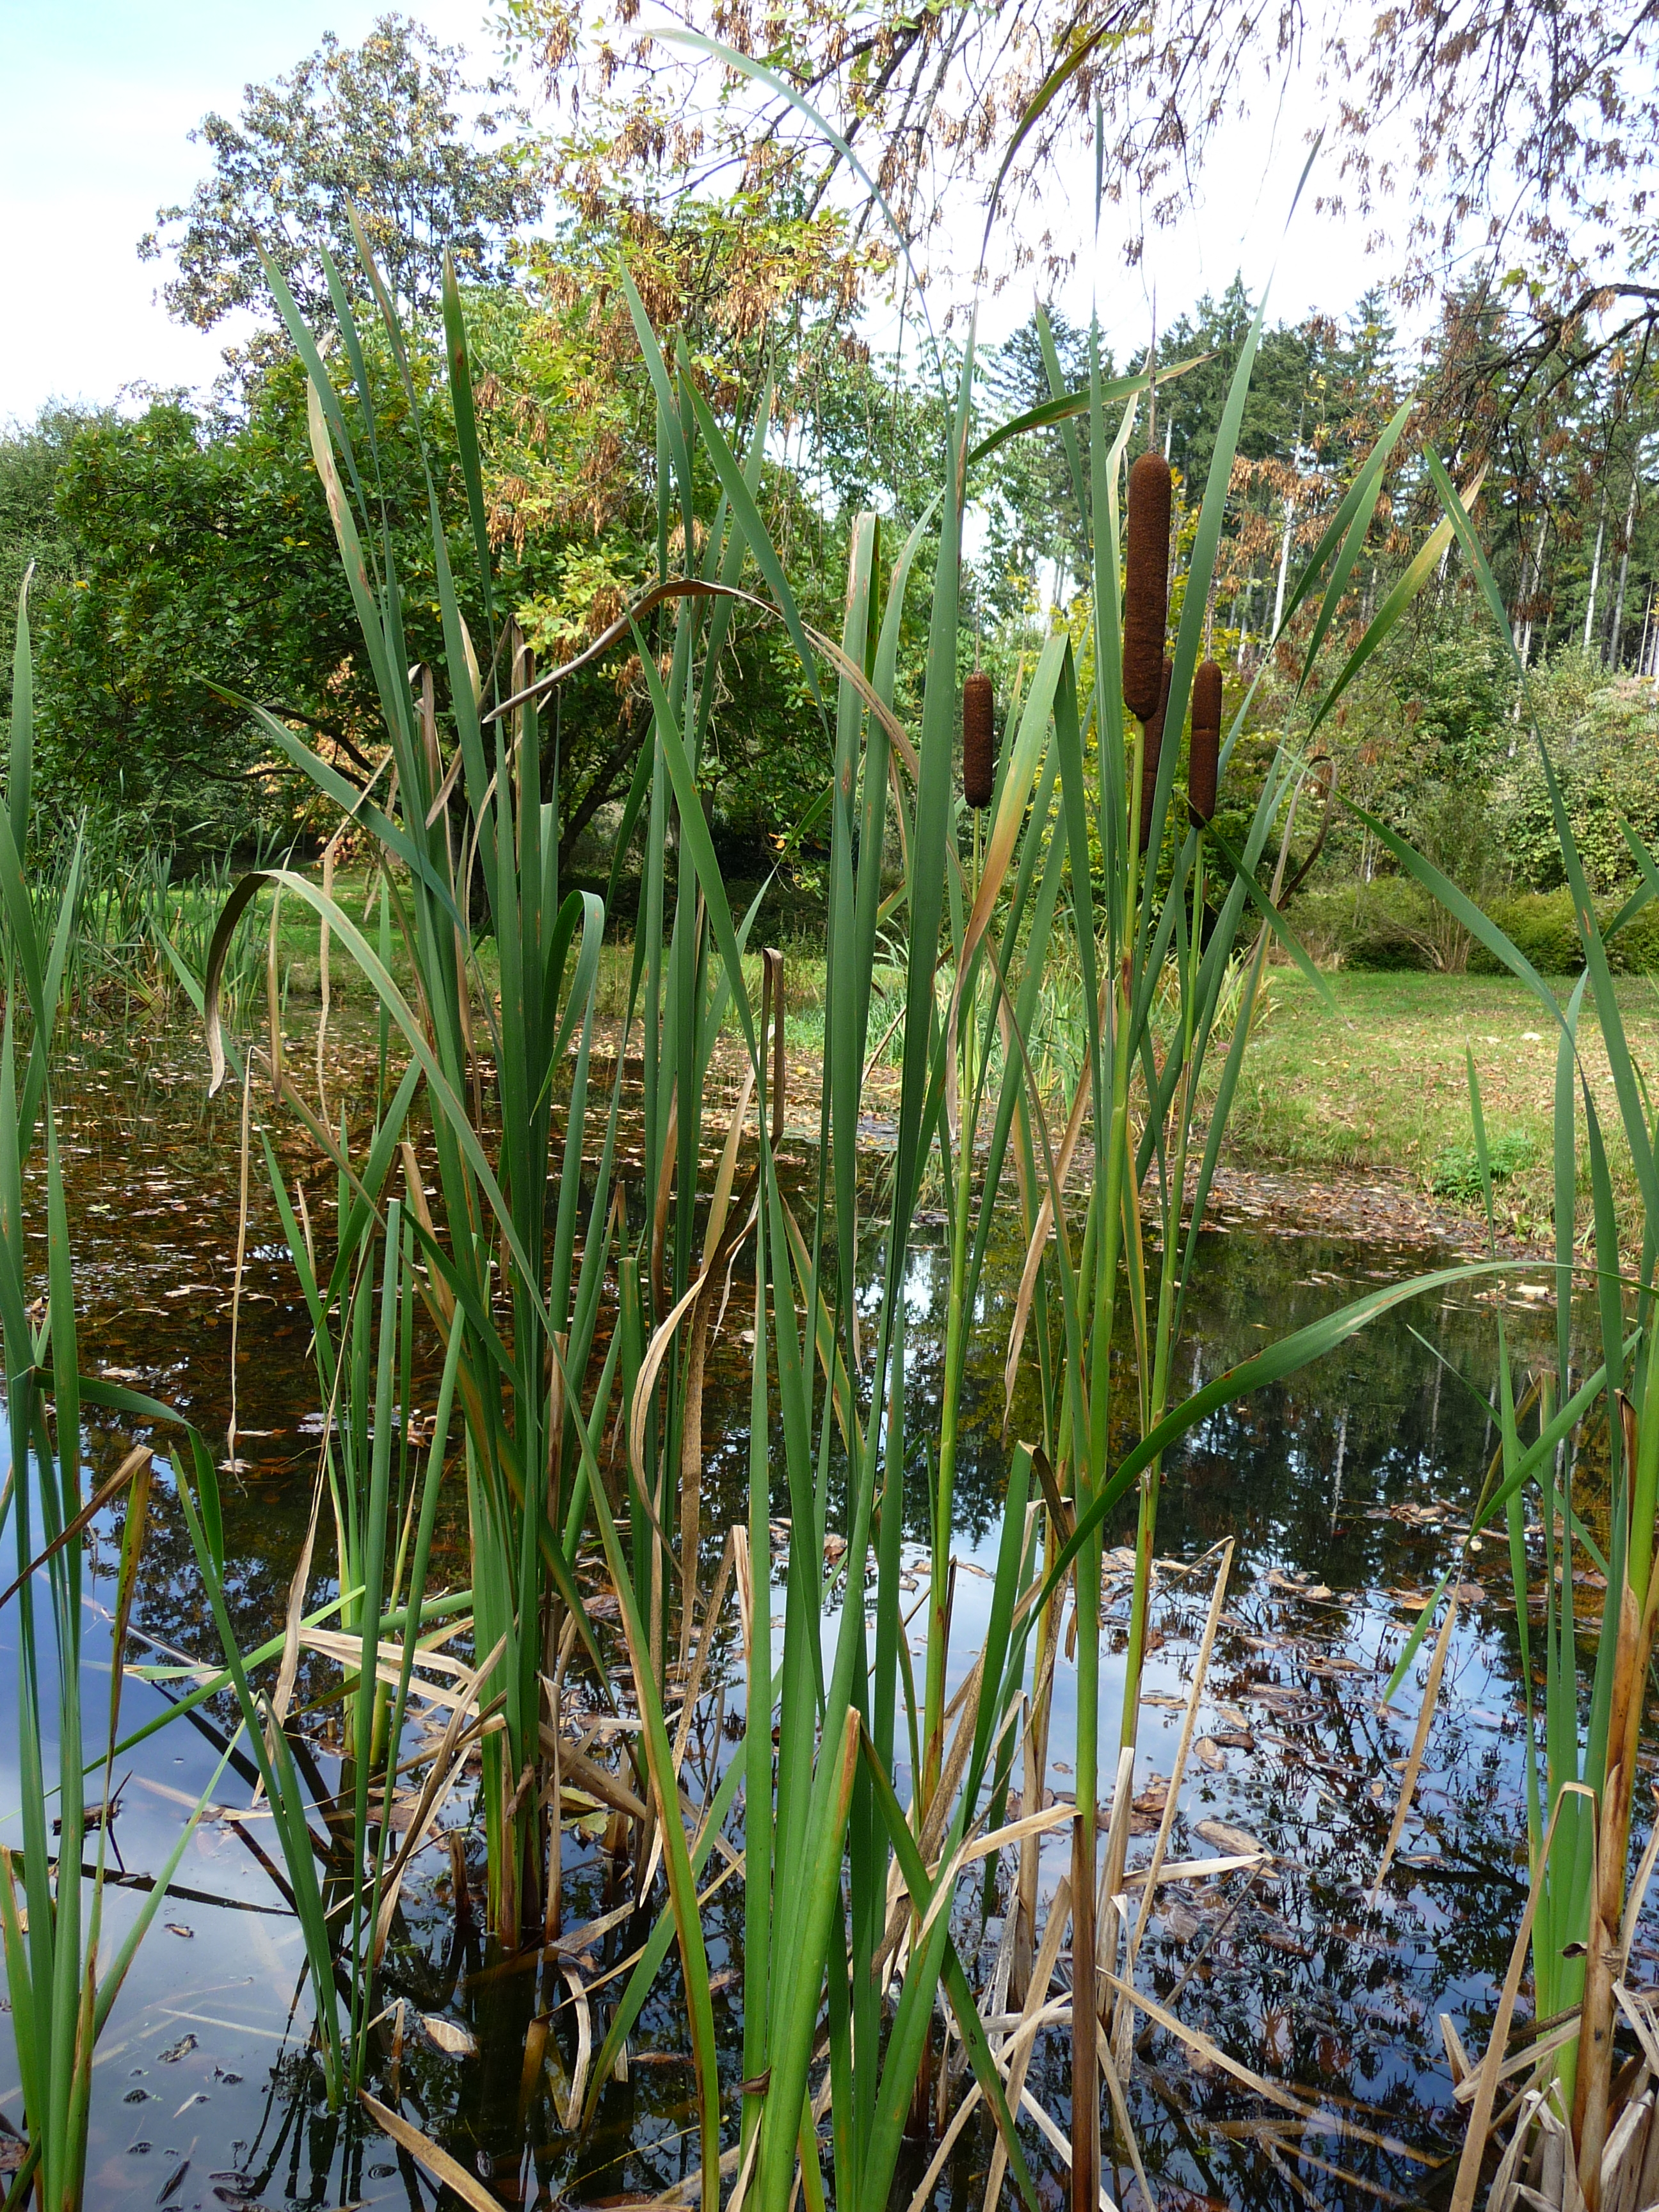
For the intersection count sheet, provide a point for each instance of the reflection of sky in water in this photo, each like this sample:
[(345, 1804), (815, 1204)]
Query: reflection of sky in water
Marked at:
[(1312, 1478)]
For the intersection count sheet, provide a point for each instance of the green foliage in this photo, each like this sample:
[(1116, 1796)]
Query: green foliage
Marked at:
[(376, 127), (1603, 739), (1391, 923), (1033, 521), (1384, 924), (197, 539), (1428, 719), (1456, 1174), (32, 533), (1275, 407), (568, 426), (1542, 924)]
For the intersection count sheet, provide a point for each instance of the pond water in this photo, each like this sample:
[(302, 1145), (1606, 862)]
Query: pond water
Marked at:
[(1344, 1490)]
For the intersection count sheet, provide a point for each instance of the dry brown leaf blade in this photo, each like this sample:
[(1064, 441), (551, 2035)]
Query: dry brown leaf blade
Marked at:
[(438, 2162)]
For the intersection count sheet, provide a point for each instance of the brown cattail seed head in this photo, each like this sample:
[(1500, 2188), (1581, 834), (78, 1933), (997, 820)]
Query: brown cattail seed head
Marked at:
[(979, 740), (1206, 748), (1149, 753), (1146, 582)]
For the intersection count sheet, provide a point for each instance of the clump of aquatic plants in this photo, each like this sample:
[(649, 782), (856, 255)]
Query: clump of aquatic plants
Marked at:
[(61, 1975), (576, 1305), (1581, 2109), (848, 1891)]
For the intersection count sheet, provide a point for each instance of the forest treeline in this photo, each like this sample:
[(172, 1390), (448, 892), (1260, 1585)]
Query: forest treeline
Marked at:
[(183, 562)]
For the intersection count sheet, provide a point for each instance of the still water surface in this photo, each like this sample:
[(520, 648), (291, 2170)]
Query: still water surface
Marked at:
[(1353, 1480)]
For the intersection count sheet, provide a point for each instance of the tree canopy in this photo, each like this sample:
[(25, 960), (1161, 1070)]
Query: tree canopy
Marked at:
[(380, 128)]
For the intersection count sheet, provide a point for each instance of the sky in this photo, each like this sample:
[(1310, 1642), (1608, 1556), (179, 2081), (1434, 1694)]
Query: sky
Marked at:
[(101, 99)]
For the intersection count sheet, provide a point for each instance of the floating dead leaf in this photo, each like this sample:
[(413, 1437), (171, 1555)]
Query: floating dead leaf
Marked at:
[(169, 2187), (1297, 1586), (1210, 1753), (1236, 1842), (1181, 1925), (175, 2051), (448, 2036), (1277, 1937), (1234, 1738), (178, 1928), (1146, 1810)]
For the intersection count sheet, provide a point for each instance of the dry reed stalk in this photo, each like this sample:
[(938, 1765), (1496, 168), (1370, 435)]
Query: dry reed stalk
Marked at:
[(1085, 2024), (1420, 1744), (1109, 1924), (1019, 2054), (1487, 2078), (1123, 2018)]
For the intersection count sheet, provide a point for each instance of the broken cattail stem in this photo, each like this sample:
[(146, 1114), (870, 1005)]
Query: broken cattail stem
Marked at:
[(979, 743), (1205, 753), (1146, 582), (1149, 753)]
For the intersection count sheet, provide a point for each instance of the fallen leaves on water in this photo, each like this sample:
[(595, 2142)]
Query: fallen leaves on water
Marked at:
[(1237, 1843), (1297, 1586), (449, 2037)]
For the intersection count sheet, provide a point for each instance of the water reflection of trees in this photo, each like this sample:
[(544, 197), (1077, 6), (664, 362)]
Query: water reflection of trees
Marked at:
[(1308, 1981)]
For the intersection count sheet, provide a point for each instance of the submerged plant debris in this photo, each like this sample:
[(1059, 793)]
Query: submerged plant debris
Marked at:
[(1347, 1493)]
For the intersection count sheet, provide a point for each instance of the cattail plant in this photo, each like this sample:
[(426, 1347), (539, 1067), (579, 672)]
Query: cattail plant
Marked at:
[(1146, 583), (979, 743), (1203, 748), (63, 1969), (1584, 2133), (520, 1237)]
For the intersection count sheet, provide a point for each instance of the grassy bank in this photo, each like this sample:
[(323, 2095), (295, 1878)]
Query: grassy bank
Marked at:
[(1374, 1082), (1379, 1084)]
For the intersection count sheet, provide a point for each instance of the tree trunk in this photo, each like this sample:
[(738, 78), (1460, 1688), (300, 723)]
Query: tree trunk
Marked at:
[(1595, 573), (1284, 563), (1617, 638)]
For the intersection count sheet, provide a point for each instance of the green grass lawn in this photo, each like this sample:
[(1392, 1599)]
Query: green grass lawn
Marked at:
[(1379, 1081), (1372, 1081)]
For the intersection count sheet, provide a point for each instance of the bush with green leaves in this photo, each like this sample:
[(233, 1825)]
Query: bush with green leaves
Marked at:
[(1603, 732)]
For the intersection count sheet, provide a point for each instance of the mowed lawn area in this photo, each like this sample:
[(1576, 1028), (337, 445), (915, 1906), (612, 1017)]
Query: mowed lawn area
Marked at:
[(1376, 1080)]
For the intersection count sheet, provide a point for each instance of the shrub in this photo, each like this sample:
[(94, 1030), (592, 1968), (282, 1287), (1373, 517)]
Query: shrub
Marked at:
[(1390, 923), (1456, 1173), (1540, 924)]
